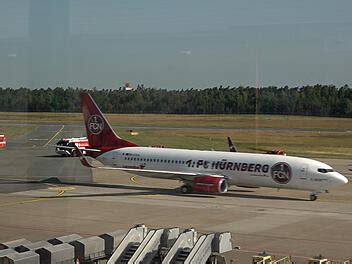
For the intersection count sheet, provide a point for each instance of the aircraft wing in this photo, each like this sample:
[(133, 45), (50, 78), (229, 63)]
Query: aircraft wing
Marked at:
[(156, 173), (142, 172)]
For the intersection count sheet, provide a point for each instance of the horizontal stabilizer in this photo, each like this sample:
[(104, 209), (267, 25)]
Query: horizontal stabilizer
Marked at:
[(82, 158)]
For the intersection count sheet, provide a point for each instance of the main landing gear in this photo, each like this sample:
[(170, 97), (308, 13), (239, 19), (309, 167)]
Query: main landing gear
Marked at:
[(185, 189)]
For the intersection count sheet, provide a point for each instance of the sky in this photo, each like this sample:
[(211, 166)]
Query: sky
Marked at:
[(175, 44)]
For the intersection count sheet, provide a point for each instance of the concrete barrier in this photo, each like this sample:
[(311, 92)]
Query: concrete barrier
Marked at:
[(64, 239), (14, 243), (112, 240), (62, 253), (89, 249), (28, 257), (32, 246)]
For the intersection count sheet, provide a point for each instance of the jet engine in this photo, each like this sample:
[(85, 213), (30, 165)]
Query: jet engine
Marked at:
[(209, 184)]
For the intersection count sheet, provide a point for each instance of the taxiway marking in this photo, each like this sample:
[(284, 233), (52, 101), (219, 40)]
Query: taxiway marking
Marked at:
[(60, 192), (23, 202), (133, 179), (253, 251), (54, 135)]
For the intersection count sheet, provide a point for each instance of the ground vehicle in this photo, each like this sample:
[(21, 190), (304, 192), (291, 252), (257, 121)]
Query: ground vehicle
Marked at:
[(2, 141), (65, 146)]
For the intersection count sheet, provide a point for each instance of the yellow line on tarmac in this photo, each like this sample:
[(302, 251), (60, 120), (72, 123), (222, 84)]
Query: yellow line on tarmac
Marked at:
[(23, 202), (133, 179), (60, 190), (54, 136), (51, 184)]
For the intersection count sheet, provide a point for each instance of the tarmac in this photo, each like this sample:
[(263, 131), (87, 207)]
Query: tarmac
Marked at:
[(43, 195)]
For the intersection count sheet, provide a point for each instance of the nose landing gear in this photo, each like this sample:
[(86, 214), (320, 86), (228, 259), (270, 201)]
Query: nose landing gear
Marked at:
[(313, 197)]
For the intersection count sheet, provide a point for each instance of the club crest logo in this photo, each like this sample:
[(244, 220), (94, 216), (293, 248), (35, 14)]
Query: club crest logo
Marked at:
[(95, 124), (281, 173)]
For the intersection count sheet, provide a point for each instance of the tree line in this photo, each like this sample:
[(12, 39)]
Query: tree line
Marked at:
[(317, 100)]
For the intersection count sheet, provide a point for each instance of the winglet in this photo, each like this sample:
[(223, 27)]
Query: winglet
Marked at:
[(232, 146), (82, 158)]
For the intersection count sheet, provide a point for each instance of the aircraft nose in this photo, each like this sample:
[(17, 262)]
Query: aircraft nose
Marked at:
[(340, 179), (344, 179)]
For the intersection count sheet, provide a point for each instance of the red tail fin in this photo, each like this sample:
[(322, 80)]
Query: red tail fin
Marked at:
[(99, 132)]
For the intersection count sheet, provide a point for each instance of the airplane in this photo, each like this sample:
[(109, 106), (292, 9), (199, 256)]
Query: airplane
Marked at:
[(201, 171)]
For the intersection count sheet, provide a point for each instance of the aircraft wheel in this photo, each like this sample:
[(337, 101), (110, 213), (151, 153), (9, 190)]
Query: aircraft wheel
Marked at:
[(313, 197), (185, 189)]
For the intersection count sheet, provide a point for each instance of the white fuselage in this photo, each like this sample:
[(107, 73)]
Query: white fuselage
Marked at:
[(242, 169)]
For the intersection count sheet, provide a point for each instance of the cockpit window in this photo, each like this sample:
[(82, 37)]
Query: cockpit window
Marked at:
[(325, 170)]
